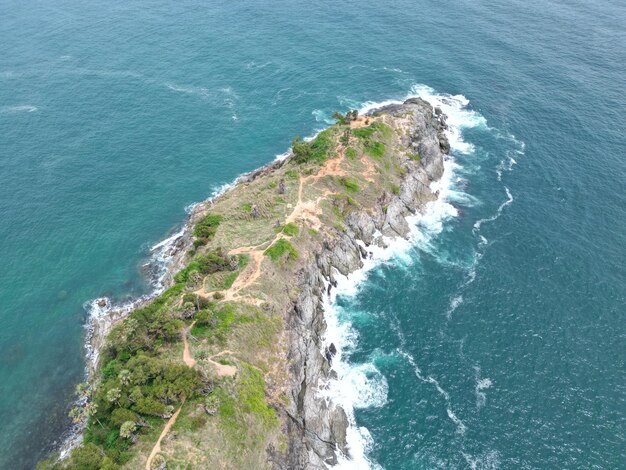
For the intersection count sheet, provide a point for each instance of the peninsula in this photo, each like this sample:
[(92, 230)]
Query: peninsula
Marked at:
[(223, 370)]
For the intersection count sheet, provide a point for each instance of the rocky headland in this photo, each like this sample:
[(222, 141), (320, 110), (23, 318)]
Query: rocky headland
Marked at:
[(225, 368)]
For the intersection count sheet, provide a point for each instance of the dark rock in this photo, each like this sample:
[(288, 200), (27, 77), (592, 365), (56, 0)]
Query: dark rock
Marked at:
[(316, 428)]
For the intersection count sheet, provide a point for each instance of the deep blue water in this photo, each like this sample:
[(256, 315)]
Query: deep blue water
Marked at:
[(116, 115)]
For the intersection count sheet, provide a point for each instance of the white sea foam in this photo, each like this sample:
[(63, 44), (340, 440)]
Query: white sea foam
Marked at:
[(487, 461), (362, 385), (480, 222), (24, 108), (322, 116)]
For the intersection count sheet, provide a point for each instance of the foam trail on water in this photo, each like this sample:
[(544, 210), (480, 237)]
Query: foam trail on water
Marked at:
[(26, 108), (509, 200), (362, 385)]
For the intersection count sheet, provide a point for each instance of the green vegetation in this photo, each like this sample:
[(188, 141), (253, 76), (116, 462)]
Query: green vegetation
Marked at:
[(206, 228), (351, 153), (237, 402), (138, 386), (349, 117), (316, 151), (395, 189), (223, 280), (209, 263), (280, 248), (415, 156), (350, 184), (375, 149), (290, 229)]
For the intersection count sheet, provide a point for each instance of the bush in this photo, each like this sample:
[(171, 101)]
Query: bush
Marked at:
[(121, 415), (351, 153), (207, 227), (290, 229), (205, 318), (317, 150), (198, 301), (395, 189), (278, 249)]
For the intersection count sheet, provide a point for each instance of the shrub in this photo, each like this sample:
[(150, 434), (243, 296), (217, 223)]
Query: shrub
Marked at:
[(205, 318), (415, 156), (198, 301), (121, 415), (351, 153), (395, 189), (317, 150), (278, 249), (207, 227), (290, 229)]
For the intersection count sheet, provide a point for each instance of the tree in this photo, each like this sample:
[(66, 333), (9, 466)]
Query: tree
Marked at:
[(211, 404), (83, 390), (77, 414), (301, 150), (345, 138), (127, 429), (340, 118), (124, 376), (114, 394), (91, 409)]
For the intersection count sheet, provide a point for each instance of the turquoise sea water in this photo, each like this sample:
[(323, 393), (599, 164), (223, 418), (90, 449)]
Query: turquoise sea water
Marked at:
[(497, 346)]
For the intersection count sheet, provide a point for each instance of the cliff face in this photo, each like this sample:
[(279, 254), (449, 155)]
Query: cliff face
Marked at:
[(316, 429)]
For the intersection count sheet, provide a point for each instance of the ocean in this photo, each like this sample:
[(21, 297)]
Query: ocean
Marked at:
[(493, 340)]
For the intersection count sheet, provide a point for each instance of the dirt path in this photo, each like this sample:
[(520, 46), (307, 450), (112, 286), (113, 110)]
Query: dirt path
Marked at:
[(157, 447), (303, 210), (187, 359), (190, 362)]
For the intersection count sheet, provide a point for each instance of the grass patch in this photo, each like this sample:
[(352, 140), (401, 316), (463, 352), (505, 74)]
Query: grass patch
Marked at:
[(279, 249), (375, 149), (364, 132), (290, 229), (351, 153), (350, 184), (415, 156), (293, 174)]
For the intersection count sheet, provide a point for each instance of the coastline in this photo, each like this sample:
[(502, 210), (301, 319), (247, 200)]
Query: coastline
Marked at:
[(310, 372)]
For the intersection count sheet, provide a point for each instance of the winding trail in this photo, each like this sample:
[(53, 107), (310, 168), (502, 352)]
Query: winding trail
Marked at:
[(187, 359), (190, 362), (303, 210), (157, 447), (306, 210)]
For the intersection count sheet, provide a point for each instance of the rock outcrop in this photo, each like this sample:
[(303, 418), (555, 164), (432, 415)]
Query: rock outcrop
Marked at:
[(316, 428)]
